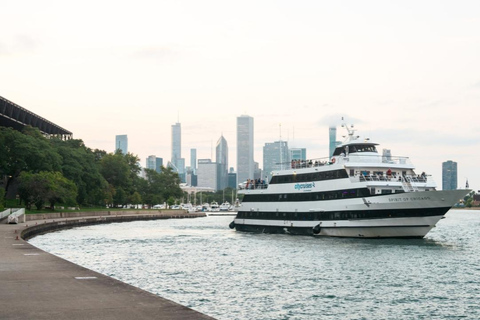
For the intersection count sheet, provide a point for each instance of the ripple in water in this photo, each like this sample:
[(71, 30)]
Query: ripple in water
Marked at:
[(204, 265)]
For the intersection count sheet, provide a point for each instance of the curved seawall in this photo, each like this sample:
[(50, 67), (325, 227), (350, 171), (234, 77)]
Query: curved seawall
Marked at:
[(37, 285)]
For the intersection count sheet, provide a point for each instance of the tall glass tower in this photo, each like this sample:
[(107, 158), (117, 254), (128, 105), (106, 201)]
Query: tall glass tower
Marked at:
[(121, 143), (193, 160), (222, 162), (245, 163), (176, 144), (332, 134), (449, 175)]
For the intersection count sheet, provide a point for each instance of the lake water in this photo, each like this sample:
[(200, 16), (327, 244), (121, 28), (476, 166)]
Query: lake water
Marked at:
[(204, 265)]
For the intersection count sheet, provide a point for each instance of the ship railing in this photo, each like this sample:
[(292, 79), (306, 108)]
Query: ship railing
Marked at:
[(310, 163), (374, 177), (392, 178), (252, 186), (357, 157), (353, 157)]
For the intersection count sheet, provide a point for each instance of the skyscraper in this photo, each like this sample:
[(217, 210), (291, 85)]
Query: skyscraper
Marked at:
[(298, 154), (245, 163), (222, 161), (151, 162), (121, 143), (207, 174), (154, 163), (158, 164), (332, 140), (193, 160), (176, 144), (449, 175), (275, 157)]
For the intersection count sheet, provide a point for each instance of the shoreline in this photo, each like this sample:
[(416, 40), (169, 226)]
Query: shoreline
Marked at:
[(38, 285)]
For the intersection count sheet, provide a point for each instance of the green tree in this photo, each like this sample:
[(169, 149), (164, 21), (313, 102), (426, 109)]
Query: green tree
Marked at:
[(136, 198), (25, 152), (42, 187), (79, 164), (120, 197), (161, 186)]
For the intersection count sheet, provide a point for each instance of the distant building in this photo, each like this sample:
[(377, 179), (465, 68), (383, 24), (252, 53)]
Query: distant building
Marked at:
[(181, 170), (176, 144), (387, 155), (121, 143), (332, 140), (158, 164), (257, 172), (151, 162), (232, 180), (275, 157), (245, 147), (193, 160), (222, 161), (154, 163), (298, 154), (207, 174), (449, 175), (191, 178)]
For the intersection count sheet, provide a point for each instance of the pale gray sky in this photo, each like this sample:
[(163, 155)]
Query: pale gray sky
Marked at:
[(406, 72)]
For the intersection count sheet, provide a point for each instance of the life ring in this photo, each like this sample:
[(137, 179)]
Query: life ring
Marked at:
[(333, 160)]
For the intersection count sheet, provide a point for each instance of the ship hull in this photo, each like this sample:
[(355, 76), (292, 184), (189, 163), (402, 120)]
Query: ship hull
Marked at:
[(406, 215)]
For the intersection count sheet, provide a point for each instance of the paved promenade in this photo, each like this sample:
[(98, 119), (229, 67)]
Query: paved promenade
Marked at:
[(37, 285)]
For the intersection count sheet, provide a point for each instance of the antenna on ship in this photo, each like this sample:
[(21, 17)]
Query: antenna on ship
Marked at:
[(350, 130)]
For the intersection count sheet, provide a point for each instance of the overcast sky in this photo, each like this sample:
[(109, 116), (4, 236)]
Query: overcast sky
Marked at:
[(407, 73)]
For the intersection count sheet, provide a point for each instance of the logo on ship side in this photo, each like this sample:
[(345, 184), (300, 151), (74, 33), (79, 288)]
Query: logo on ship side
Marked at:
[(304, 186)]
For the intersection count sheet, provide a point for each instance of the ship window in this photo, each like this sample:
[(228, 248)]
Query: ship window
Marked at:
[(386, 191)]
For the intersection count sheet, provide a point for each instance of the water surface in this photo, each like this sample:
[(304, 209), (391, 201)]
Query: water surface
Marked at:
[(204, 265)]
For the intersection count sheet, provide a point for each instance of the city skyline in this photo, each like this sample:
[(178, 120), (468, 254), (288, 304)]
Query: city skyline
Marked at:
[(406, 74)]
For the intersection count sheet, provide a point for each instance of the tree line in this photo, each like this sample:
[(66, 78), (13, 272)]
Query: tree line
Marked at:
[(45, 172)]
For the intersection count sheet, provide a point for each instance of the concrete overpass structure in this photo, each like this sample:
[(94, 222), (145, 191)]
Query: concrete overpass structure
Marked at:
[(16, 117)]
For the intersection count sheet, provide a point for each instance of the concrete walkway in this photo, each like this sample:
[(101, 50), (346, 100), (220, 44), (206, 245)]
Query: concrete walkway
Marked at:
[(37, 285)]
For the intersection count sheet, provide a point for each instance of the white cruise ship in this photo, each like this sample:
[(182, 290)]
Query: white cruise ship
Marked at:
[(356, 193)]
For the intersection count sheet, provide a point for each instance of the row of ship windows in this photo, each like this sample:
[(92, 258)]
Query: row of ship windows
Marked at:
[(342, 215), (308, 196), (309, 177)]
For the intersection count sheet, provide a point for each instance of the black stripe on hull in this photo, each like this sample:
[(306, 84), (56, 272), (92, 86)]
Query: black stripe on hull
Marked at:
[(307, 231), (343, 215), (309, 196)]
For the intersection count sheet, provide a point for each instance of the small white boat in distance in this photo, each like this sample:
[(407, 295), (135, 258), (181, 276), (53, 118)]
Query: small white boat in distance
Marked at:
[(214, 207), (225, 206)]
